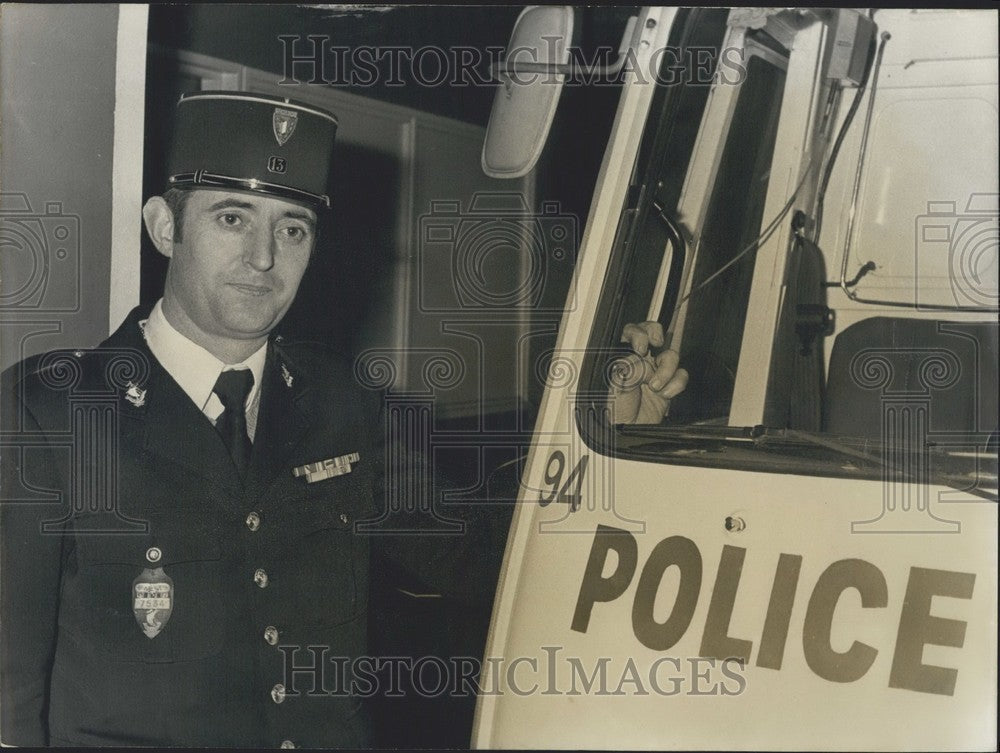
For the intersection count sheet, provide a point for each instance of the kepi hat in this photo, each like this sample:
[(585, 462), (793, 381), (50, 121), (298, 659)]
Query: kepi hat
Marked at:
[(243, 141)]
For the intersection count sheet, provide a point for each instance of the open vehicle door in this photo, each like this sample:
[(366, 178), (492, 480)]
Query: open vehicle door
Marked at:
[(803, 553)]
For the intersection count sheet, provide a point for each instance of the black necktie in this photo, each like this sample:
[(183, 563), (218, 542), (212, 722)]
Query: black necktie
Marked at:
[(232, 387)]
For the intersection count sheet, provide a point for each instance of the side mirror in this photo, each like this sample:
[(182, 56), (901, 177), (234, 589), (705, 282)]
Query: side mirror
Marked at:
[(526, 100)]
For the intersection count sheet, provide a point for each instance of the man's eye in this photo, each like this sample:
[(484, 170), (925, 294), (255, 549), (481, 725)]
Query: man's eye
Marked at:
[(230, 220), (295, 233)]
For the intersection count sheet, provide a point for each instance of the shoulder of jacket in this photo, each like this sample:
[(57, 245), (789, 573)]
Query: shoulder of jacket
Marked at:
[(313, 356), (43, 384), (104, 369), (54, 367), (330, 369), (323, 366)]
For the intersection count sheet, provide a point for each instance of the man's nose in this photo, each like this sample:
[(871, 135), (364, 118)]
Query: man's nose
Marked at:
[(259, 252)]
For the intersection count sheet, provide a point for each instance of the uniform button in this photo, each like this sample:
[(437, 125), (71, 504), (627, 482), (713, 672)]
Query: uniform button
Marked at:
[(153, 554), (343, 517), (271, 634), (287, 744), (260, 577), (278, 693), (253, 521)]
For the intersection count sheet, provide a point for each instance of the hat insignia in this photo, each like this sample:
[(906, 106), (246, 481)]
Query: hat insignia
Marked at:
[(283, 122)]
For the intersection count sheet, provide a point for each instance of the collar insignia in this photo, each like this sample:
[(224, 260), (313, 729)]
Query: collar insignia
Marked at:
[(135, 395)]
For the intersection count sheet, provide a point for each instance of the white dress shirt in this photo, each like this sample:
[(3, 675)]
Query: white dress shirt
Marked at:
[(195, 369)]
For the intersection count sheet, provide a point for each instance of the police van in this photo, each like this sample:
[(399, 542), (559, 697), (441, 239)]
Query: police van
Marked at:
[(802, 553)]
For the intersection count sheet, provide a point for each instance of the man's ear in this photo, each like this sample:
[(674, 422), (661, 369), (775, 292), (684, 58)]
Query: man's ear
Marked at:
[(159, 222)]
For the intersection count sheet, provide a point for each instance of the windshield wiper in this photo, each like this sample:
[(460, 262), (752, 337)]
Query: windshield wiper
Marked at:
[(955, 467)]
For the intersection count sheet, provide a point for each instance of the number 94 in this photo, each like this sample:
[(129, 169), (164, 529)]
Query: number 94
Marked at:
[(568, 492)]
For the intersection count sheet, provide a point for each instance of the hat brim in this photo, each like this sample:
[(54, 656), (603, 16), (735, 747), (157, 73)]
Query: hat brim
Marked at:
[(205, 179)]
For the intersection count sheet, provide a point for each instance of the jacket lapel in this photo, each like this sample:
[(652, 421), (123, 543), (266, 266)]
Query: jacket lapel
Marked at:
[(282, 422), (171, 428), (166, 423), (176, 431)]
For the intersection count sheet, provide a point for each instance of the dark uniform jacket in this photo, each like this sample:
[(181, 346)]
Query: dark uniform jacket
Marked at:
[(112, 476)]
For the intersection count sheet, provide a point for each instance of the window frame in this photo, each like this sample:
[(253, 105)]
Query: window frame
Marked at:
[(745, 446)]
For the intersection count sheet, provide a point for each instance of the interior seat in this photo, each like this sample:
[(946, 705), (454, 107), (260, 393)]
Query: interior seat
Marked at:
[(952, 366)]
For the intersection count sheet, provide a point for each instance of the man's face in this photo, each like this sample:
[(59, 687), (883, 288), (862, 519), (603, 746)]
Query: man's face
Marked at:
[(238, 265)]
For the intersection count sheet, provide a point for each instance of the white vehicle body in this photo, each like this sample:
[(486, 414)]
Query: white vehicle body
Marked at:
[(703, 598)]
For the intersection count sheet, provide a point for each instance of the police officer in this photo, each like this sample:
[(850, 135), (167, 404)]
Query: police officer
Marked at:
[(179, 559)]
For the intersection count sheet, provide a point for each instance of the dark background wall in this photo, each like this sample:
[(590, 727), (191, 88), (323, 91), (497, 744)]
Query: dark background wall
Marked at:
[(56, 143), (251, 36)]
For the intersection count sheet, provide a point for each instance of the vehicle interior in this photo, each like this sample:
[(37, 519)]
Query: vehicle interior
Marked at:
[(862, 369)]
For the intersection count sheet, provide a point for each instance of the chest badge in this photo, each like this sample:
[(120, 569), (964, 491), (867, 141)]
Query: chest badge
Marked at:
[(152, 600), (324, 469)]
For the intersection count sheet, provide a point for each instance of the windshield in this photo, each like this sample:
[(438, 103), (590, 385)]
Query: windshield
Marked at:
[(716, 254)]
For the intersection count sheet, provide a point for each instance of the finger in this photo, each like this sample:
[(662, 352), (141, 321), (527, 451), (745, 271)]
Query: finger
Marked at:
[(677, 384), (637, 337), (642, 336), (654, 331), (666, 365), (630, 372), (623, 405)]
